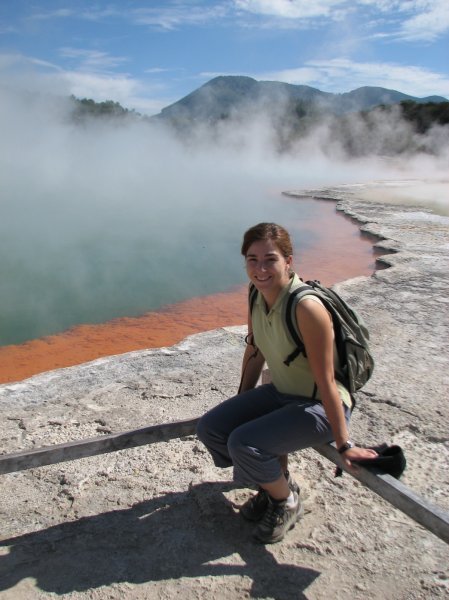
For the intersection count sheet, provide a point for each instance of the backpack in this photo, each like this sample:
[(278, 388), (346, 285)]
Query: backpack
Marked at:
[(351, 333)]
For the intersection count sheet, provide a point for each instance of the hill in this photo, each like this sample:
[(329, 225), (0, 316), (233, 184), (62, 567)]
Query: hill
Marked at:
[(226, 96)]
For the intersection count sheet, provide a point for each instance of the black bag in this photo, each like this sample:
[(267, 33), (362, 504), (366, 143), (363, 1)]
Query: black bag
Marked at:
[(390, 459)]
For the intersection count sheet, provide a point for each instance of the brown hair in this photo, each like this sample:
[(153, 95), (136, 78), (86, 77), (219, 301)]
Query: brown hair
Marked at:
[(268, 231)]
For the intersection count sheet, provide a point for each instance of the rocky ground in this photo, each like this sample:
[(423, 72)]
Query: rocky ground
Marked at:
[(161, 522)]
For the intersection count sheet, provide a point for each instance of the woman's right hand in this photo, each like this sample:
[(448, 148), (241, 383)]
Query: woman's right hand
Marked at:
[(352, 455)]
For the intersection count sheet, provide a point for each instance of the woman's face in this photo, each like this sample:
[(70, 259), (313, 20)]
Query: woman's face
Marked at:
[(266, 267)]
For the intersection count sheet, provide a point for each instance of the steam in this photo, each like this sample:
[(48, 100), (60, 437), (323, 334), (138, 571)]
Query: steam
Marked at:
[(106, 219)]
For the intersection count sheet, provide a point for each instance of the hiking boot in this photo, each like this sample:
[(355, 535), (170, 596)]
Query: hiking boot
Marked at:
[(255, 507), (278, 519)]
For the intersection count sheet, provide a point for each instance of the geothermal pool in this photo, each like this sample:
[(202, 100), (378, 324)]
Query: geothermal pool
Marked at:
[(209, 291)]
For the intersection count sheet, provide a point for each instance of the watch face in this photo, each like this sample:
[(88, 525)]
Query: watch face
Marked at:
[(345, 447)]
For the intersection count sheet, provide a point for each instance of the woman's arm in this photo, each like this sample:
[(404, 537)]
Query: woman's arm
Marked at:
[(252, 362), (314, 323)]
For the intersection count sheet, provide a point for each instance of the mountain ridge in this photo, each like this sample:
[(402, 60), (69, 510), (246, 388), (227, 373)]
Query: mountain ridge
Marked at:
[(225, 94)]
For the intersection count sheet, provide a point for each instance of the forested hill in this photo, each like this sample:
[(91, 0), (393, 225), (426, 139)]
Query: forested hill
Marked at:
[(87, 108), (228, 96), (421, 115)]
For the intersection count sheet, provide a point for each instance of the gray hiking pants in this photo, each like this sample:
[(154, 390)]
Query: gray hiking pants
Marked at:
[(250, 431)]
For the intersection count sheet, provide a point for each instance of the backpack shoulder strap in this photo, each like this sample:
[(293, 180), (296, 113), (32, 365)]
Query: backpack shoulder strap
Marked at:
[(290, 319), (252, 295)]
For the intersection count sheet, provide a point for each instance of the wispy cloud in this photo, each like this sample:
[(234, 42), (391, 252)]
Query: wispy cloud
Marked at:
[(294, 9), (61, 13), (92, 59), (128, 91), (144, 96), (430, 21), (341, 75), (179, 14), (11, 61), (100, 86), (167, 16), (90, 14), (6, 29), (407, 20), (156, 70)]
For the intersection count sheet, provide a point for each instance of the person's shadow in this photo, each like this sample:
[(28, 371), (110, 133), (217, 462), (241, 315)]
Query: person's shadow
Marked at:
[(183, 534)]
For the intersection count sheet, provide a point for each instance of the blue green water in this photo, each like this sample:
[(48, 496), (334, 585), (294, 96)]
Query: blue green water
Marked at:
[(75, 262)]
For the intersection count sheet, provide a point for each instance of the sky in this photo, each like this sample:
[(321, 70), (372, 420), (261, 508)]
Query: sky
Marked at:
[(146, 54)]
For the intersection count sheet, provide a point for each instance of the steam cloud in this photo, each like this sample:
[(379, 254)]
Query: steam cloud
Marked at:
[(104, 219)]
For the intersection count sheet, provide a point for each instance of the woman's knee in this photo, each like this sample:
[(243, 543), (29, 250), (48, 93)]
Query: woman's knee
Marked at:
[(235, 444), (203, 429), (208, 428)]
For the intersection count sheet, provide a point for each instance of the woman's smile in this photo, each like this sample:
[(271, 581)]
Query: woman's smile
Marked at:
[(259, 278)]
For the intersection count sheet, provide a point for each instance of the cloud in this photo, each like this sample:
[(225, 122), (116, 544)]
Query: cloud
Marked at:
[(342, 75), (100, 86), (6, 29), (10, 61), (156, 70), (61, 13), (292, 9), (167, 16), (90, 14), (430, 21), (122, 88), (92, 59), (30, 73), (179, 14), (407, 20)]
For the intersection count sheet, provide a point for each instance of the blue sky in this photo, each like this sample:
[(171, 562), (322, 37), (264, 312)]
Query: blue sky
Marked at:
[(147, 54)]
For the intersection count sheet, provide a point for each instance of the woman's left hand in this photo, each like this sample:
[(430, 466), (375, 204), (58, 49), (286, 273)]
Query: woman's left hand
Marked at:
[(355, 454)]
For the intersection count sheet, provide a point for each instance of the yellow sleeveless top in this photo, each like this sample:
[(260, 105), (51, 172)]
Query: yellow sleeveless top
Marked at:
[(273, 340)]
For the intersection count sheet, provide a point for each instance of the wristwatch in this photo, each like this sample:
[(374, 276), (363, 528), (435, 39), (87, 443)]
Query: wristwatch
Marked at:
[(346, 446)]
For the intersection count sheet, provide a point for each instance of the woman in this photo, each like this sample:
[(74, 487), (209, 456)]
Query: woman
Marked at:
[(303, 406)]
